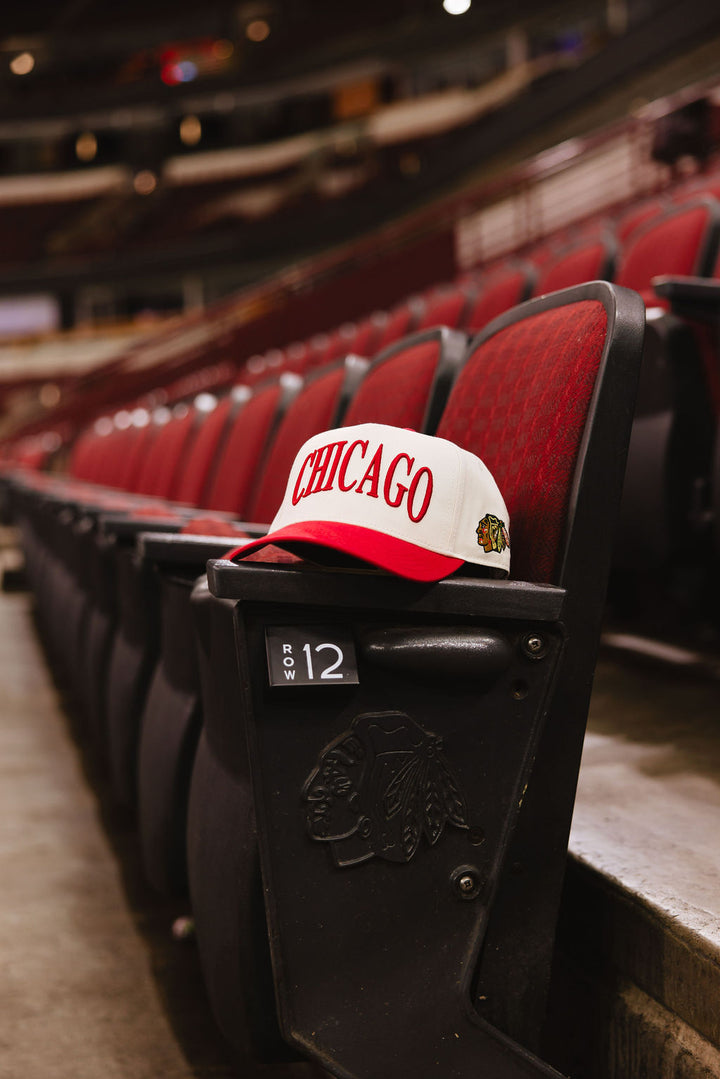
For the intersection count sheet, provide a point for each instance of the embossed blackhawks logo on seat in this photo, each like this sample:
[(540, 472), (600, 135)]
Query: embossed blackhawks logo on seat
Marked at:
[(379, 787), (492, 534)]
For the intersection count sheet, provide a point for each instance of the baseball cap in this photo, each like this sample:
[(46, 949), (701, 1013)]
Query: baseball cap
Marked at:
[(409, 503)]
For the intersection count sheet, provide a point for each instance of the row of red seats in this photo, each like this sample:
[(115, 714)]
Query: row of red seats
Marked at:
[(544, 396), (611, 248), (184, 452), (138, 449)]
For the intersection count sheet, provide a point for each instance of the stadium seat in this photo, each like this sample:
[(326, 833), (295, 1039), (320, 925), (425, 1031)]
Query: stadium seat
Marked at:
[(510, 285), (434, 952), (589, 260), (638, 214), (171, 715), (682, 240), (401, 320), (135, 645), (670, 455), (447, 305), (408, 384)]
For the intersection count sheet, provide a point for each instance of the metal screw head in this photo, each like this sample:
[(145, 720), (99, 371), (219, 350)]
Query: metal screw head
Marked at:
[(183, 928), (467, 882), (534, 646)]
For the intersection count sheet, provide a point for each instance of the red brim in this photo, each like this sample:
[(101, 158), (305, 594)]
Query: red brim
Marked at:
[(389, 553)]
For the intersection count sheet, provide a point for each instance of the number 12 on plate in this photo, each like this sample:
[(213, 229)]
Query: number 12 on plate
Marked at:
[(310, 656)]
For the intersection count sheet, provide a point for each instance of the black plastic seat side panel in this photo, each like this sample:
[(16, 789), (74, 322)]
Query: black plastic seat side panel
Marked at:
[(374, 909)]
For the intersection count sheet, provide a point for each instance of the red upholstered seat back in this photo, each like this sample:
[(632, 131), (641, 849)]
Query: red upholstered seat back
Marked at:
[(196, 467), (498, 294), (637, 215), (108, 456), (81, 457), (677, 243), (367, 334), (137, 450), (397, 387), (312, 411), (445, 307), (520, 403), (233, 480), (401, 320), (163, 461), (587, 262), (698, 185)]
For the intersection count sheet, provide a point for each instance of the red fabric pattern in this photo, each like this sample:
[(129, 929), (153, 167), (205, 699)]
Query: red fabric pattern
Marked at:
[(671, 245), (232, 483), (396, 391), (444, 308), (312, 411), (585, 263), (520, 403), (495, 297)]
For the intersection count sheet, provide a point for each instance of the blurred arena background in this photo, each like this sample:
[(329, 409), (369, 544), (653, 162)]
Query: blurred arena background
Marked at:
[(204, 208)]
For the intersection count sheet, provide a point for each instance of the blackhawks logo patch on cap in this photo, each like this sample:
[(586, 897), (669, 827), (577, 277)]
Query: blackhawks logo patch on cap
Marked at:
[(492, 534)]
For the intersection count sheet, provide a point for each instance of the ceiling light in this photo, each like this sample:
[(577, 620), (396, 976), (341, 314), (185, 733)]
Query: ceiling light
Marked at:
[(86, 146), (456, 7), (145, 182), (190, 130), (257, 30), (22, 64), (223, 49)]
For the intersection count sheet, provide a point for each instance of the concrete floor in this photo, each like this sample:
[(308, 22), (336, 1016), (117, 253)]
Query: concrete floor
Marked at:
[(92, 982)]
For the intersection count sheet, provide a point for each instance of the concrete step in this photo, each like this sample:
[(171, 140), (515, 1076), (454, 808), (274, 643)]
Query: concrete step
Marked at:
[(637, 979)]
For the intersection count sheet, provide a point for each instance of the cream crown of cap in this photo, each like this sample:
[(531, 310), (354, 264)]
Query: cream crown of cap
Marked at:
[(412, 504)]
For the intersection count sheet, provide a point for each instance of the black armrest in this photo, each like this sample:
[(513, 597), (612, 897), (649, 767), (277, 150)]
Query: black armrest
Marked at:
[(694, 298), (372, 589), (121, 527), (184, 548)]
